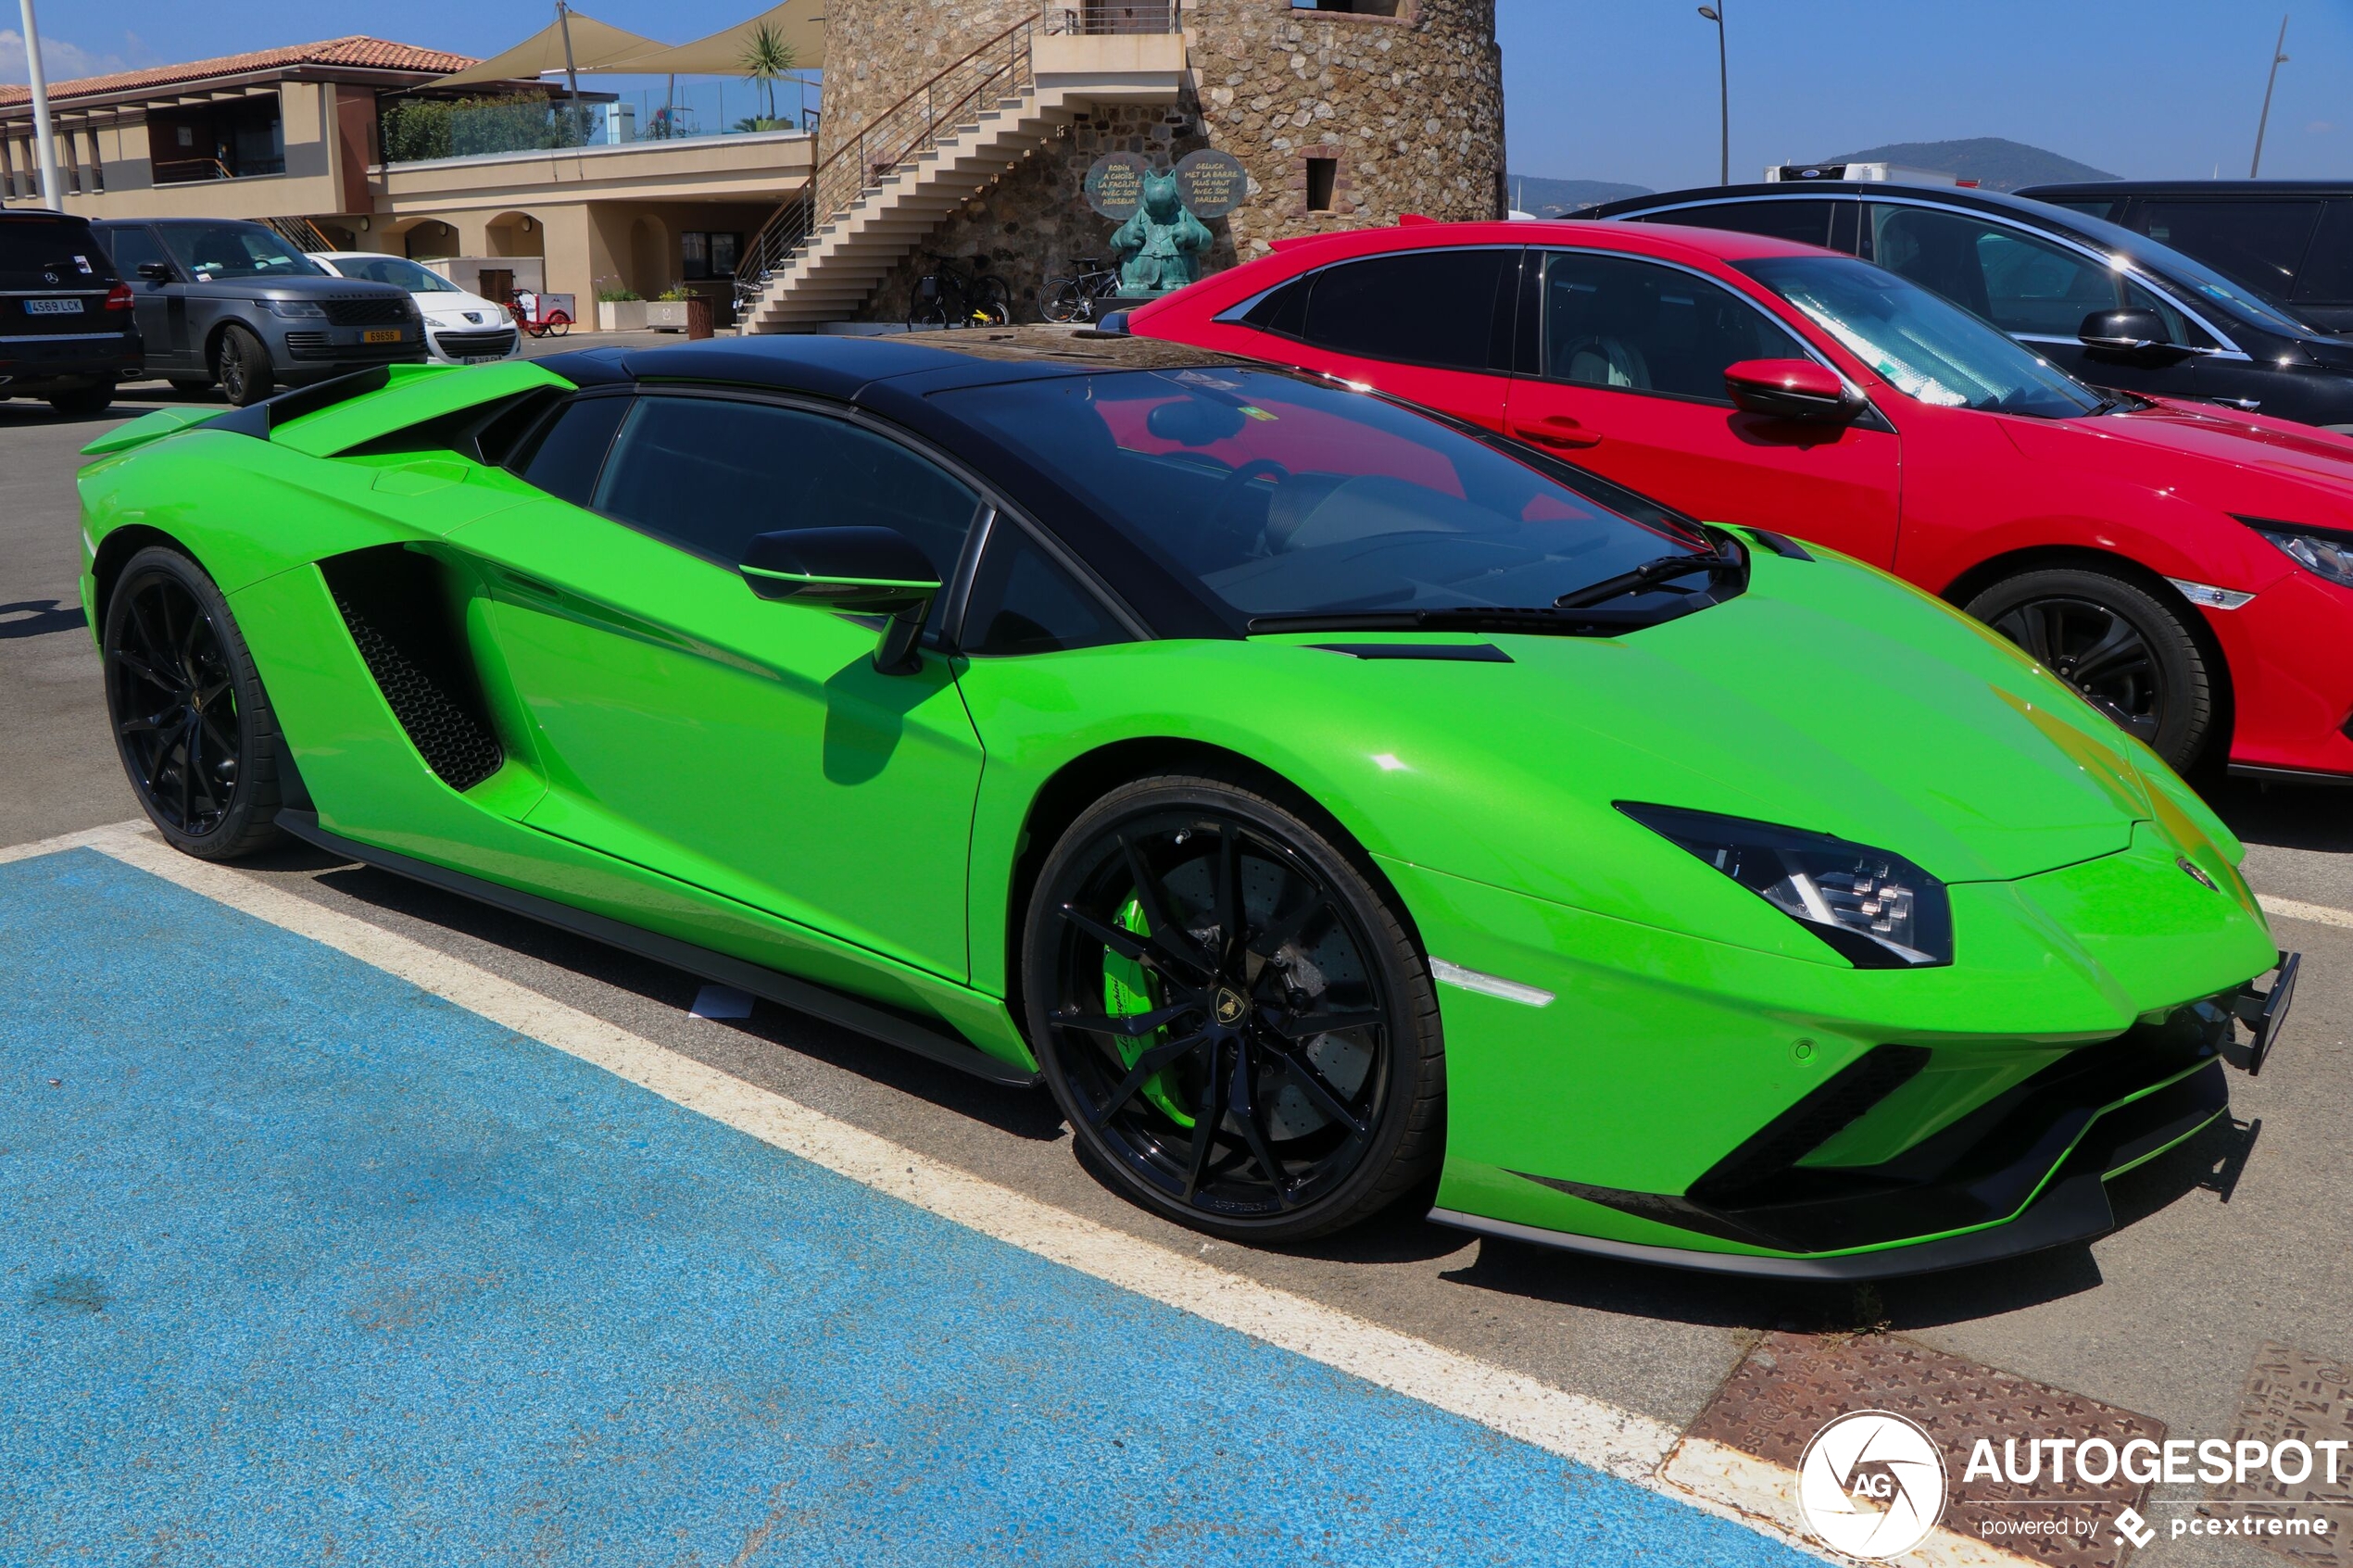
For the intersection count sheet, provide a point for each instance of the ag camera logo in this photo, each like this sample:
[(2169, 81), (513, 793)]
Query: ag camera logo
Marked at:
[(1871, 1485)]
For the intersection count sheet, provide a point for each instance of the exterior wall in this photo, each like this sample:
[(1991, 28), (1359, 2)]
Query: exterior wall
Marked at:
[(1410, 107), (307, 186)]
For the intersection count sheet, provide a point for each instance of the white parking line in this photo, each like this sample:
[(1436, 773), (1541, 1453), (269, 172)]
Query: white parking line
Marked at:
[(2296, 909)]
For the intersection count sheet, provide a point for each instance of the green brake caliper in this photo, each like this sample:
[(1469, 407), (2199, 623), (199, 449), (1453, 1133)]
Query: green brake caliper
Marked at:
[(1129, 988)]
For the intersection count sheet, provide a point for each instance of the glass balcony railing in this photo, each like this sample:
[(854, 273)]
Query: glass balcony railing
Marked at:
[(420, 129)]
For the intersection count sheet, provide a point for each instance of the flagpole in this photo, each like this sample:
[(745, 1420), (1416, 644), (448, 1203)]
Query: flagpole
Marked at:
[(51, 189)]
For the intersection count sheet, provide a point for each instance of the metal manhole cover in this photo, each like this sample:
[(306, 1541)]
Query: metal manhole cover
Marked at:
[(1790, 1385), (2292, 1393)]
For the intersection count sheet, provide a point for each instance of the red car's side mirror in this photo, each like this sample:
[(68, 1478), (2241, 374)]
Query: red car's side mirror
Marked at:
[(1791, 389)]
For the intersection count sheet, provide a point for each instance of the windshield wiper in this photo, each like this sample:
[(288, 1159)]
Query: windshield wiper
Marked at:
[(1650, 574)]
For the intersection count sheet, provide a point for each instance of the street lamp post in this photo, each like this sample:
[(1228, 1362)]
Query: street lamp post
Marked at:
[(1723, 99), (53, 193), (2279, 58)]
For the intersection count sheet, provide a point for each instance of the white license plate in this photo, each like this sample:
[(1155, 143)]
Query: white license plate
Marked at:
[(53, 307), (482, 359)]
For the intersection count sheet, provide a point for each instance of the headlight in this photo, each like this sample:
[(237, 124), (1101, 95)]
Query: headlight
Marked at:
[(298, 310), (2324, 551), (1877, 909)]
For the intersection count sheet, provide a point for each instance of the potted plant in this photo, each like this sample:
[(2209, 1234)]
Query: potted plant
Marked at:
[(667, 311), (765, 57), (620, 309)]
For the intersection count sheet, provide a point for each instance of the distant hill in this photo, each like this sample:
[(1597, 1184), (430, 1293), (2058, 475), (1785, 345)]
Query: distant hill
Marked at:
[(1558, 198), (1994, 162)]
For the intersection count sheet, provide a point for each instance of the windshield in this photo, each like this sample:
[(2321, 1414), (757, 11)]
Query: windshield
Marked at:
[(1284, 497), (235, 250), (397, 271), (1925, 346)]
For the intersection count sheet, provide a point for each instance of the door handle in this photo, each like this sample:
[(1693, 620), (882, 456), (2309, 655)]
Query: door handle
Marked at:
[(1558, 429)]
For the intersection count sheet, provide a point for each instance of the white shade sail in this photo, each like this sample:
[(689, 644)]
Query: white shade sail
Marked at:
[(595, 45)]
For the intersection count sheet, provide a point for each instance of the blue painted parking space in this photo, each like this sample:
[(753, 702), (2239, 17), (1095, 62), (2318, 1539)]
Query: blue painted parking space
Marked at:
[(304, 1264)]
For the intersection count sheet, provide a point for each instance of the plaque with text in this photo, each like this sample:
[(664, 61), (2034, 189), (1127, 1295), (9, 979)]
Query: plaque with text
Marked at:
[(1210, 183), (1115, 184)]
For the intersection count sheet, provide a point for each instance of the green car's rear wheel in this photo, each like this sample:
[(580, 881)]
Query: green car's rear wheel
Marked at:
[(1233, 1021), (190, 719)]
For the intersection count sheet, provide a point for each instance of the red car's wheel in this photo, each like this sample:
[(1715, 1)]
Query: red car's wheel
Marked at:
[(2129, 654)]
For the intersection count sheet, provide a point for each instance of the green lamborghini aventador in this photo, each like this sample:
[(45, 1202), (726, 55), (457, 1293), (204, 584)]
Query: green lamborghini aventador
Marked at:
[(1320, 797)]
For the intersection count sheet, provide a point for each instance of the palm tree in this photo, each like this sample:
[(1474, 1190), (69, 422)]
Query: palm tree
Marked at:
[(766, 57)]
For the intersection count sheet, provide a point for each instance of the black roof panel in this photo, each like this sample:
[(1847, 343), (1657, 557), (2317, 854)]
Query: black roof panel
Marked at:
[(839, 367)]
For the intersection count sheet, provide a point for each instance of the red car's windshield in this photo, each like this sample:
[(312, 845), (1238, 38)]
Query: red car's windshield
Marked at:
[(1925, 346), (1287, 498)]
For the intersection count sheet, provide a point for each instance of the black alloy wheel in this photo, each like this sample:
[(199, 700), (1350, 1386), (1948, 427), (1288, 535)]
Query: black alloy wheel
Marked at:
[(242, 366), (2129, 654), (193, 729), (1237, 1028)]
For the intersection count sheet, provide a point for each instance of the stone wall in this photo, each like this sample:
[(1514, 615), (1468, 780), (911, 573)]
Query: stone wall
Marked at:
[(1409, 108)]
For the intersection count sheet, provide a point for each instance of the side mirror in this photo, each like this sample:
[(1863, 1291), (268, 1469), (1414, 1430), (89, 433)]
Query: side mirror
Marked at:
[(2130, 330), (862, 571), (1791, 389), (155, 272)]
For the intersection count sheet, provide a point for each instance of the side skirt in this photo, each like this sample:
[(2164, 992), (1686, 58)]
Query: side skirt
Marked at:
[(849, 1012)]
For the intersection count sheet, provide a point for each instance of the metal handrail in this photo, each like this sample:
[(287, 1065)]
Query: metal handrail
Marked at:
[(903, 132)]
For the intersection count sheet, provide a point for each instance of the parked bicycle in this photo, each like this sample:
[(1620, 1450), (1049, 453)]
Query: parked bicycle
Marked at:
[(1073, 299), (950, 296)]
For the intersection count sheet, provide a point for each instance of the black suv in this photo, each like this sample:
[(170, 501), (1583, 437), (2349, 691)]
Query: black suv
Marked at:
[(220, 300), (66, 329), (2290, 241), (2107, 306)]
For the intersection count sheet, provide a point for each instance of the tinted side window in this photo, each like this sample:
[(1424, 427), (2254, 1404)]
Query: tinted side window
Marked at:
[(2327, 277), (2019, 283), (1023, 602), (1615, 322), (2259, 243), (1808, 222), (131, 246), (1284, 310), (708, 475), (1424, 307), (2106, 208), (568, 452)]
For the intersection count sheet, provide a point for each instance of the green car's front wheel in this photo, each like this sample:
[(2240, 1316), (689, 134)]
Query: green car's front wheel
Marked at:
[(1236, 1023), (191, 721)]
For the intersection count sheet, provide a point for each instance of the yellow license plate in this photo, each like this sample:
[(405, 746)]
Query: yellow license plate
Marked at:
[(380, 335)]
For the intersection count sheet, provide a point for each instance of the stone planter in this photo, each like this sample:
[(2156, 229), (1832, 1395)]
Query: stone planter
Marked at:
[(622, 315), (665, 315)]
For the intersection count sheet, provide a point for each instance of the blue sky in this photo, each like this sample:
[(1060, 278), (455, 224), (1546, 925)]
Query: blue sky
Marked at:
[(1624, 89)]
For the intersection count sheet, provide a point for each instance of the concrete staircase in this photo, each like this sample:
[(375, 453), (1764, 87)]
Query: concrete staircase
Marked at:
[(830, 273)]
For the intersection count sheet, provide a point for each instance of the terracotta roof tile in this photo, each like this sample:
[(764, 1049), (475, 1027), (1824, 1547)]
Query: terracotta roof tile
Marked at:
[(376, 53)]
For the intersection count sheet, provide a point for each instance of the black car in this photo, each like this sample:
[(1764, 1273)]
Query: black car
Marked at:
[(2107, 306), (2290, 241), (220, 300), (68, 332)]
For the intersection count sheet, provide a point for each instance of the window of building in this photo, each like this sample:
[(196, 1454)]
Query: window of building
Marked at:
[(704, 253), (1351, 7), (1611, 322), (1024, 602), (1419, 307), (708, 474), (1323, 174), (229, 139)]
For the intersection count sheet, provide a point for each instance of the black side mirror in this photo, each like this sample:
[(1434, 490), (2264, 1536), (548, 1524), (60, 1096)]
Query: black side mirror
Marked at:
[(155, 272), (2130, 330), (862, 571)]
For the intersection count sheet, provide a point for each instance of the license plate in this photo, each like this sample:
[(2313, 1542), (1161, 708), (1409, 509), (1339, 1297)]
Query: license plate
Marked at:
[(53, 307), (484, 358), (380, 335)]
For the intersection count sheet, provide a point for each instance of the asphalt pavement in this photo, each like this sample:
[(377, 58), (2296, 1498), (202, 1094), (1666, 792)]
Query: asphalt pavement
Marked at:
[(2236, 1242)]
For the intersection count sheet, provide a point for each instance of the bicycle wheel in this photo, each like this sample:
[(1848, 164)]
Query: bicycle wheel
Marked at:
[(1062, 300), (926, 307), (990, 304)]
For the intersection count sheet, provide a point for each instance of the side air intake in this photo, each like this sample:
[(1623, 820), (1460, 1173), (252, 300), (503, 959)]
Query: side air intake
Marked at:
[(396, 602)]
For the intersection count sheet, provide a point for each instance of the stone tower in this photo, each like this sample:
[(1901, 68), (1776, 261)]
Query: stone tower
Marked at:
[(1346, 114)]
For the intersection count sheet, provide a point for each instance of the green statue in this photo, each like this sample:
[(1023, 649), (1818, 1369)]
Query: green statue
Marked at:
[(1161, 246)]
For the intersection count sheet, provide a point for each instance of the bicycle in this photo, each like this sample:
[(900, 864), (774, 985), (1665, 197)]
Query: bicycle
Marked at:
[(537, 318), (947, 296), (1073, 299)]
